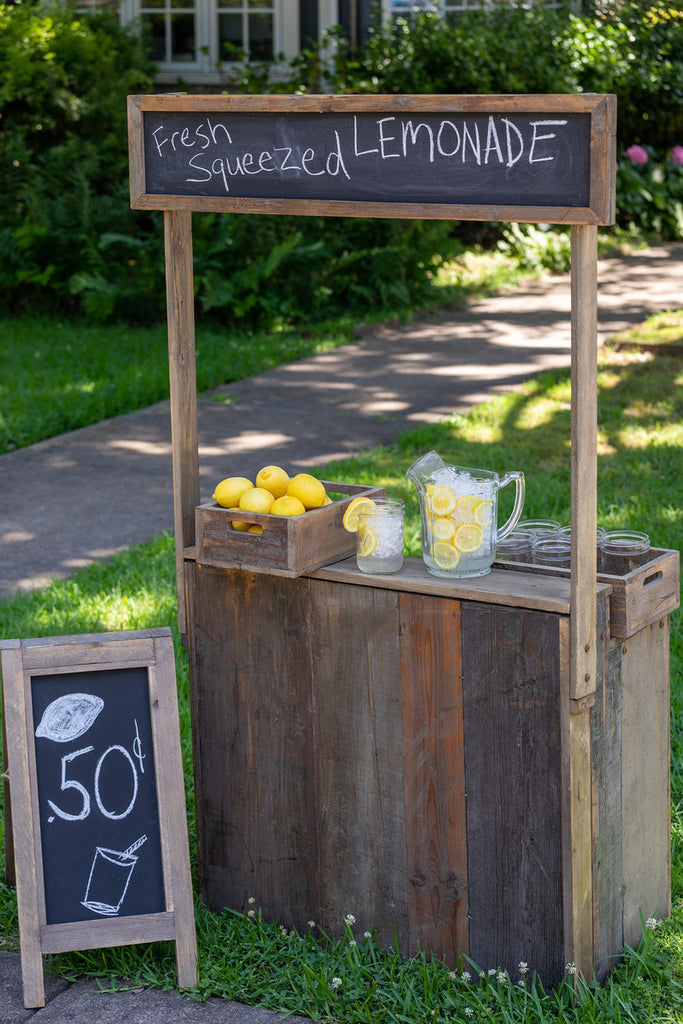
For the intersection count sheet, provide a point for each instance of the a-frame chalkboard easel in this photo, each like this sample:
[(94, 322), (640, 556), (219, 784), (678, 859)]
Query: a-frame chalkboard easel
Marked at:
[(542, 159)]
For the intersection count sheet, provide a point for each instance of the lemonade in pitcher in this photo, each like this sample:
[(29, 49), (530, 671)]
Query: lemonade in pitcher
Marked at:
[(459, 512)]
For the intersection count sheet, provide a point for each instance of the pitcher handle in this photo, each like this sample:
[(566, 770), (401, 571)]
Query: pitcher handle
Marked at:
[(520, 491)]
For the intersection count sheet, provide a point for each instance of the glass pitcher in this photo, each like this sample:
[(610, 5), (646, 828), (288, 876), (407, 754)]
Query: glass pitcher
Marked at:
[(459, 512)]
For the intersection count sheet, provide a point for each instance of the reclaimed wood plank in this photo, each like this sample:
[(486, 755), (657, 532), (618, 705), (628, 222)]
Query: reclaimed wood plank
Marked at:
[(606, 800), (511, 692), (584, 458), (183, 389), (253, 743), (434, 771), (357, 758), (645, 777), (501, 587)]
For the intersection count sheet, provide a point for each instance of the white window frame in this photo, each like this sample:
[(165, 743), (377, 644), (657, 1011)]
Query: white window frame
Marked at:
[(204, 70)]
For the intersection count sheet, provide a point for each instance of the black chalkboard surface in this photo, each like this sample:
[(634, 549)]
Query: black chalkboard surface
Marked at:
[(96, 777), (98, 822), (470, 157)]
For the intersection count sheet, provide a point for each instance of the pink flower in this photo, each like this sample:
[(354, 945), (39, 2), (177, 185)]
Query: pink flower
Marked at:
[(637, 154), (677, 155)]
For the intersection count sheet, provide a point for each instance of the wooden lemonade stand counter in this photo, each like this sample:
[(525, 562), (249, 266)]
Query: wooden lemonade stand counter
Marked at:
[(406, 749), (481, 768)]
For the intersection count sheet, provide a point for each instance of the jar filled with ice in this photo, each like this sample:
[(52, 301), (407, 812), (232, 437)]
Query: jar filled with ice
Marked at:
[(379, 539)]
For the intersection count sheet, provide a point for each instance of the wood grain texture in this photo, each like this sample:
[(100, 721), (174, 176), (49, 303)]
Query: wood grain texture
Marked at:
[(253, 742), (606, 800), (434, 775), (645, 777), (511, 690), (183, 388), (358, 763), (584, 459)]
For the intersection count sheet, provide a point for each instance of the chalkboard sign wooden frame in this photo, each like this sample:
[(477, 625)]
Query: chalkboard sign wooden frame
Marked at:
[(505, 158), (108, 663)]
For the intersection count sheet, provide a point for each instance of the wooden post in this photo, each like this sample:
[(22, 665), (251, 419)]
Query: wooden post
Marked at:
[(582, 639), (183, 389)]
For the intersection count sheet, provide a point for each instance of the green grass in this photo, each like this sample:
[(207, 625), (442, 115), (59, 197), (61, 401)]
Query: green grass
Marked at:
[(255, 962)]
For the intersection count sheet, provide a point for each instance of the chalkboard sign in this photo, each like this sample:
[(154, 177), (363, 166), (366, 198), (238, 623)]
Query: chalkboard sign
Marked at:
[(96, 787), (500, 158)]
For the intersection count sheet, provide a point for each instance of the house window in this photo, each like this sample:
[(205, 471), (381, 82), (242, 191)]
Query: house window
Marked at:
[(195, 40), (246, 26)]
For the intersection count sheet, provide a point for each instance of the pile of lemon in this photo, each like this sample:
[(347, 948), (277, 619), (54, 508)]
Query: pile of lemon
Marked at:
[(456, 524), (273, 492)]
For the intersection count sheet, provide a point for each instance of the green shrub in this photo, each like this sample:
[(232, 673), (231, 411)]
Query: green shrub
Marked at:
[(63, 154), (650, 192)]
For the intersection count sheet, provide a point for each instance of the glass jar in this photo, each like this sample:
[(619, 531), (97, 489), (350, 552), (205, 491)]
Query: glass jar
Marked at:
[(621, 551), (539, 526), (553, 550), (379, 540), (516, 547)]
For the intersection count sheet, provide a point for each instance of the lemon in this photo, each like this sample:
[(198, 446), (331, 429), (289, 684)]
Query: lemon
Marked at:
[(274, 479), (469, 537), (229, 491), (442, 501), (308, 489), (257, 499), (367, 542), (445, 556), (287, 506), (483, 512), (443, 529), (468, 503), (239, 524), (328, 499), (255, 528), (359, 504)]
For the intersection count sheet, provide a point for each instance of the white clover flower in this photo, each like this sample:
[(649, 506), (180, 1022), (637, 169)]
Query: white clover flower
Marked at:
[(283, 931), (469, 1012), (352, 942), (501, 977), (571, 968), (367, 935), (522, 983), (465, 976), (481, 974), (251, 913), (349, 919), (252, 899), (651, 923), (492, 971), (452, 975), (523, 967), (336, 983), (311, 924)]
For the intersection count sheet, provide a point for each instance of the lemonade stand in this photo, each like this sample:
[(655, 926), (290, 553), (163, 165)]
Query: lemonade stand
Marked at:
[(473, 766)]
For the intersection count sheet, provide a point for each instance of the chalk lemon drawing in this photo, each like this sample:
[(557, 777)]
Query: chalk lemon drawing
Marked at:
[(69, 717)]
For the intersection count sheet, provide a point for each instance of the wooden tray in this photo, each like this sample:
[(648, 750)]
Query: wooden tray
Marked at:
[(289, 545), (638, 598)]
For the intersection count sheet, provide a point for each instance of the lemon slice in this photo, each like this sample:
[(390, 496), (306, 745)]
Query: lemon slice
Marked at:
[(469, 537), (468, 502), (445, 556), (367, 542), (483, 512), (442, 528), (360, 504), (442, 501)]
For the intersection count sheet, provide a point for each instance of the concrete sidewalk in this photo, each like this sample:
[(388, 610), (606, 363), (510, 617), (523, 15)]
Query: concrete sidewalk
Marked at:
[(74, 499), (67, 502)]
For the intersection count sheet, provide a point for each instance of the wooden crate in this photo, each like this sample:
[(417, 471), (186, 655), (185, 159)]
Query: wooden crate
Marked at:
[(640, 597), (288, 545), (405, 749)]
